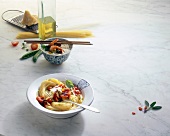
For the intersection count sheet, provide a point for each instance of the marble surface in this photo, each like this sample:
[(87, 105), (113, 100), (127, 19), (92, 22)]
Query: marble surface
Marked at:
[(128, 63)]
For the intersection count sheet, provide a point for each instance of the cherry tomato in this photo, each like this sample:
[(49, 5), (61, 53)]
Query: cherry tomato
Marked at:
[(49, 100), (39, 99), (61, 85), (44, 103), (14, 43), (66, 93), (64, 96), (77, 92), (66, 90), (34, 46)]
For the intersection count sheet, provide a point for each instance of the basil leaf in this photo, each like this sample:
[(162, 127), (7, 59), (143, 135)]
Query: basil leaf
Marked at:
[(157, 107), (69, 84), (153, 104), (45, 47), (146, 103)]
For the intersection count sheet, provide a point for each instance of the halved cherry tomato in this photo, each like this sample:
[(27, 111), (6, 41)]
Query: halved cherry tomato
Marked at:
[(14, 43), (34, 46), (77, 91), (39, 99), (61, 85), (66, 93), (64, 96), (49, 100)]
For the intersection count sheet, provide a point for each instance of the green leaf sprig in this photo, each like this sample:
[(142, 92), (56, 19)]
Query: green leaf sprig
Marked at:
[(69, 84), (151, 106)]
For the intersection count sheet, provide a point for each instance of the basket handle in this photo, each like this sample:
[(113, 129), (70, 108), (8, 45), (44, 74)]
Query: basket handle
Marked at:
[(8, 11)]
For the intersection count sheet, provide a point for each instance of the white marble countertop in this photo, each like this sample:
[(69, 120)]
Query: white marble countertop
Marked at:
[(128, 63)]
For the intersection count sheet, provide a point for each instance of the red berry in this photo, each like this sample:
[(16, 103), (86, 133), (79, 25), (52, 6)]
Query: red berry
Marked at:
[(140, 108), (133, 113), (145, 108)]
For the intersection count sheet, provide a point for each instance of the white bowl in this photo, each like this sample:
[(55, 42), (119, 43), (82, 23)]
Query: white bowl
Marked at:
[(84, 86)]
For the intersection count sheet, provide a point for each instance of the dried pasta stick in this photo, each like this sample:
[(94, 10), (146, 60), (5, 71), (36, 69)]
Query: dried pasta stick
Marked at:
[(62, 34), (74, 34), (24, 35)]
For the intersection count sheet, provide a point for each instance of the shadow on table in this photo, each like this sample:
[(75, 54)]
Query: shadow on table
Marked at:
[(26, 120)]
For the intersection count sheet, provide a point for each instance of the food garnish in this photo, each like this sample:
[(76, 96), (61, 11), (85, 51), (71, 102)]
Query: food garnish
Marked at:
[(133, 113), (34, 46), (151, 106), (148, 107), (69, 84), (14, 43), (140, 108)]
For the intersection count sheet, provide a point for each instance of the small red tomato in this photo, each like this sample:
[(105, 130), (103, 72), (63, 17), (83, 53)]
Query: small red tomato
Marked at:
[(14, 43), (76, 91), (64, 96), (61, 85), (39, 99), (42, 97), (34, 46), (66, 90), (49, 100)]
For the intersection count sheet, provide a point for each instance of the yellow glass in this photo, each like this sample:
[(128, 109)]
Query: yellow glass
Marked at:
[(46, 19)]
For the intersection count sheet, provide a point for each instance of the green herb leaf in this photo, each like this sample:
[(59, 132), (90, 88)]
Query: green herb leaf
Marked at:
[(146, 103), (157, 107), (69, 84), (153, 104), (45, 47)]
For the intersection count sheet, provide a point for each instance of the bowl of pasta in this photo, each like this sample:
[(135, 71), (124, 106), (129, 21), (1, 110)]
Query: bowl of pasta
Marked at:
[(56, 51), (51, 94)]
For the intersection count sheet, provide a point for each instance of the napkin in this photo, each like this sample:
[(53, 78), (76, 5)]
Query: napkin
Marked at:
[(62, 34)]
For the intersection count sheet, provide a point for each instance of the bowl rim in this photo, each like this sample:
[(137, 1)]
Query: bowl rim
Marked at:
[(45, 110), (44, 52)]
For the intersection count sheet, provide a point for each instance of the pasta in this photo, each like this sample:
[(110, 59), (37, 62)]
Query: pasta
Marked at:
[(52, 93), (62, 34)]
